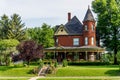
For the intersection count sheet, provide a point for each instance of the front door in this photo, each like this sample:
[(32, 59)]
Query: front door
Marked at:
[(60, 57)]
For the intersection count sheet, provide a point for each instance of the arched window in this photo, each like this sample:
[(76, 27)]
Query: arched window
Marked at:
[(92, 39), (86, 40), (86, 28)]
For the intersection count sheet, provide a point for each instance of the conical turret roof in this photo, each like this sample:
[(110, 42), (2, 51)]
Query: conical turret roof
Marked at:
[(88, 16)]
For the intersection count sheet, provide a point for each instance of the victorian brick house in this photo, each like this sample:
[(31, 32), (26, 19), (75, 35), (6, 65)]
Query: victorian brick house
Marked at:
[(76, 40)]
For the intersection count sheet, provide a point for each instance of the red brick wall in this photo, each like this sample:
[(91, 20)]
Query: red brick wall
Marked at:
[(68, 40), (90, 33)]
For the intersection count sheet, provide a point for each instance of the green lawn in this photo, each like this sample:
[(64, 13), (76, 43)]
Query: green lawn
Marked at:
[(87, 71), (19, 71), (70, 71)]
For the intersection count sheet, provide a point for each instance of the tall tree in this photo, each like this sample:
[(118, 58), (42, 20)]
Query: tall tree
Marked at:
[(47, 35), (108, 12), (4, 26), (42, 35), (16, 28)]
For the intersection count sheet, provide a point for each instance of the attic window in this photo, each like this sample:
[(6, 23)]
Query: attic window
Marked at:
[(61, 30)]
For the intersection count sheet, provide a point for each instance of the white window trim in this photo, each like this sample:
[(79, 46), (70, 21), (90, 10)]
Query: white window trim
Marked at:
[(92, 40), (86, 27), (76, 41), (92, 27), (57, 40), (86, 40)]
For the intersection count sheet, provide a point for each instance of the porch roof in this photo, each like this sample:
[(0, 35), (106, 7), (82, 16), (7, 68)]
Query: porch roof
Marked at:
[(75, 49)]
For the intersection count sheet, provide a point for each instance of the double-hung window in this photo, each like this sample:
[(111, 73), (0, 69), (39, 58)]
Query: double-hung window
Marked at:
[(76, 41), (86, 40), (92, 39)]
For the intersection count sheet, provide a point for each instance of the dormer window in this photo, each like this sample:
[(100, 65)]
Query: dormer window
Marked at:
[(86, 27)]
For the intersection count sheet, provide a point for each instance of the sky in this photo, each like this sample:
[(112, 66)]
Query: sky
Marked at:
[(52, 12)]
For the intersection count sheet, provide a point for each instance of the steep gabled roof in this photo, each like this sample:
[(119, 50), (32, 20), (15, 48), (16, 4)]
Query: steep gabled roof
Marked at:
[(58, 29), (88, 16), (74, 26)]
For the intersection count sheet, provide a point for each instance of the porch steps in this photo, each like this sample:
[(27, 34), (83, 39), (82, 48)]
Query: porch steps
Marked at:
[(42, 71)]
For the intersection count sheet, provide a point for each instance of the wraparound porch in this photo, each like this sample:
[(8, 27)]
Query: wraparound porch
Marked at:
[(88, 53)]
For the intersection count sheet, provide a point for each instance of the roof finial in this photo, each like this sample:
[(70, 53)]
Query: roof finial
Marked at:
[(88, 6)]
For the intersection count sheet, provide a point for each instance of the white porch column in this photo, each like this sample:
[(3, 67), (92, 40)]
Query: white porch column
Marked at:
[(92, 57)]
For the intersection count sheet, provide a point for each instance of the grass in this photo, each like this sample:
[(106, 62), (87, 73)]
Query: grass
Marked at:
[(87, 71), (62, 72), (16, 71)]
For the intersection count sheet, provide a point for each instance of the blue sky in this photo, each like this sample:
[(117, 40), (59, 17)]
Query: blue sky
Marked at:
[(36, 12)]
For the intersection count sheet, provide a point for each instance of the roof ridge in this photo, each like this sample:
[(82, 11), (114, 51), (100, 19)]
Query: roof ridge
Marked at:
[(74, 26), (73, 18)]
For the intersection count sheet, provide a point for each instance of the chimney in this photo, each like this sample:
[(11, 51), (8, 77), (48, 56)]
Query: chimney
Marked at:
[(69, 16)]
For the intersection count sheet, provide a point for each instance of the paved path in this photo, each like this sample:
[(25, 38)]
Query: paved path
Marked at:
[(35, 78), (29, 78), (81, 77), (13, 77)]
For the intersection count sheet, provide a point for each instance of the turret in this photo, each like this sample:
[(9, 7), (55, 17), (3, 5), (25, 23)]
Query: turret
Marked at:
[(89, 29)]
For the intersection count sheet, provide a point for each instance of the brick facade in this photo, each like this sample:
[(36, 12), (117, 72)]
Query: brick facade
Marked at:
[(67, 41), (89, 33)]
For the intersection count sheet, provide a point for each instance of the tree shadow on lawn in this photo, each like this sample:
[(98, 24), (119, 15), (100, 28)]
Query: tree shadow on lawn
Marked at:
[(113, 72)]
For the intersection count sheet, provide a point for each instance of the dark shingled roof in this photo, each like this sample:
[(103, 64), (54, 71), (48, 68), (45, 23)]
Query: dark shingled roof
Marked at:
[(56, 27), (89, 16), (74, 26)]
